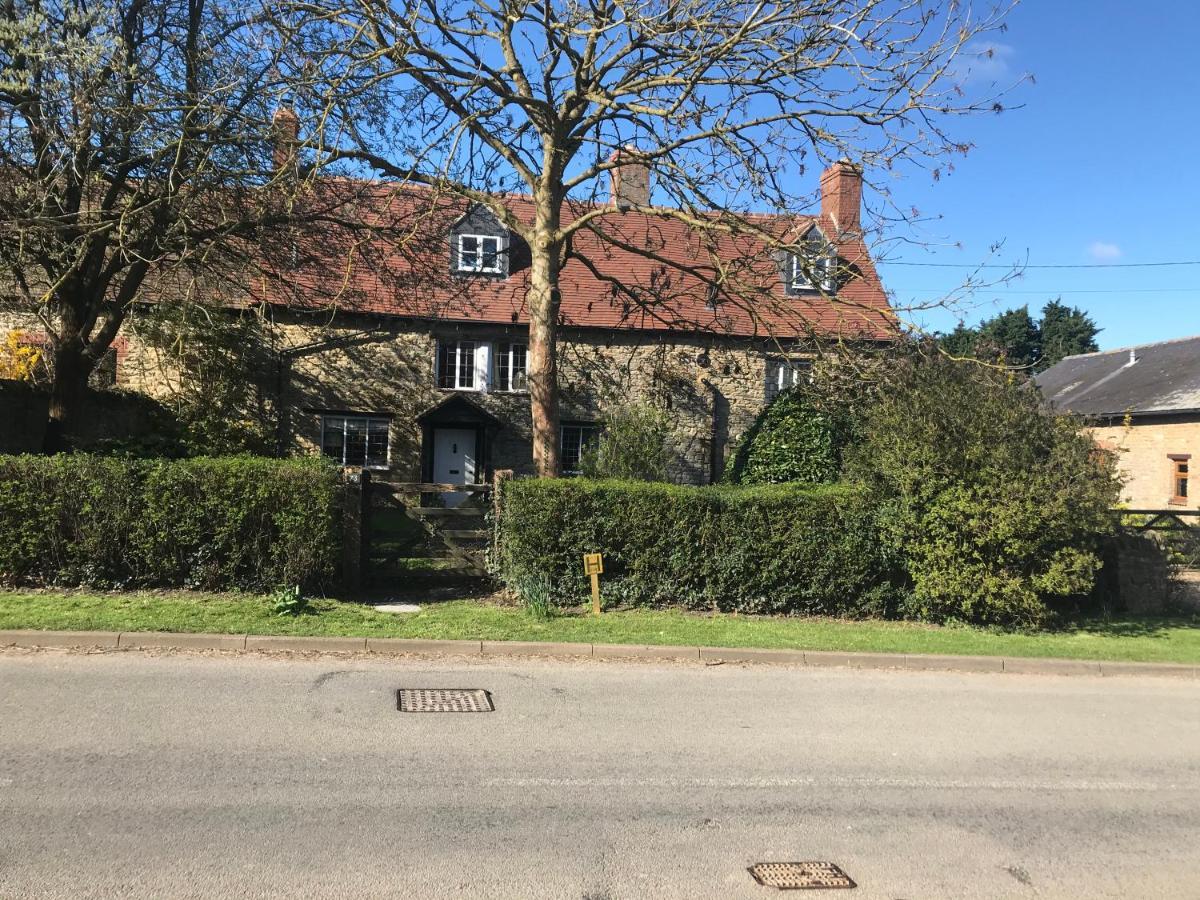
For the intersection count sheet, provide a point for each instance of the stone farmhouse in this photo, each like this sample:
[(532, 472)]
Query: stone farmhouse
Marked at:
[(1143, 403), (406, 352)]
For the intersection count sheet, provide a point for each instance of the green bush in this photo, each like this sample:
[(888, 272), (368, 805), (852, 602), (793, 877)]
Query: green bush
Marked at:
[(769, 549), (631, 446), (997, 507), (791, 440), (208, 523)]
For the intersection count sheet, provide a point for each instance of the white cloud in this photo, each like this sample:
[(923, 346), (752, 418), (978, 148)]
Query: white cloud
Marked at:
[(984, 61), (1104, 251)]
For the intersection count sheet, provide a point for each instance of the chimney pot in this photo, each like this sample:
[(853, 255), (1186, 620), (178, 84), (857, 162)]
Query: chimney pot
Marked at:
[(630, 179), (841, 196)]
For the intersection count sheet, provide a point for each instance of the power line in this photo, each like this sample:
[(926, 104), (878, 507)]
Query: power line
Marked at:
[(1145, 265), (987, 290)]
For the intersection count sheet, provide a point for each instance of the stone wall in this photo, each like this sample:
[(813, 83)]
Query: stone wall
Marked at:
[(712, 388), (1142, 451)]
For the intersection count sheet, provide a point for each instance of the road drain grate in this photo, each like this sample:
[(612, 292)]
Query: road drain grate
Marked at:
[(799, 876), (443, 700)]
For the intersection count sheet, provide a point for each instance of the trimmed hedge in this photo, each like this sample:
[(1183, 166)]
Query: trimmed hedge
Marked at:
[(235, 522), (768, 549)]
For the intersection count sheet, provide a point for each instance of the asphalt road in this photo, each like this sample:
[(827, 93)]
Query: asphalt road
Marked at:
[(133, 775)]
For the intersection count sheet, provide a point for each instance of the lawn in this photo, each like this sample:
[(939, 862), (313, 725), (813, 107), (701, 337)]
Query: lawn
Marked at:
[(1149, 640)]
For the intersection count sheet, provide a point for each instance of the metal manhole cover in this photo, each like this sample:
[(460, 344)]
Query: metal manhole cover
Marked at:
[(799, 876), (443, 700)]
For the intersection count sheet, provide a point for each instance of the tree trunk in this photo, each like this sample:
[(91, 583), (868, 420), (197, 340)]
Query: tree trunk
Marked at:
[(543, 302), (70, 375)]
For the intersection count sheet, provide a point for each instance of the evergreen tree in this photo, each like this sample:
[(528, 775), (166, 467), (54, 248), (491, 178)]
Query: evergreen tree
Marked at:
[(1065, 331), (961, 341), (1014, 335)]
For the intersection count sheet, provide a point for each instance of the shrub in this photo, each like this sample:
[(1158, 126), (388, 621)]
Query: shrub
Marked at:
[(632, 446), (781, 548), (791, 440), (996, 507), (201, 523)]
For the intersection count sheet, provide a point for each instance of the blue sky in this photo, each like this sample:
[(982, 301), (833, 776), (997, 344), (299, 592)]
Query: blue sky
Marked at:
[(1102, 165)]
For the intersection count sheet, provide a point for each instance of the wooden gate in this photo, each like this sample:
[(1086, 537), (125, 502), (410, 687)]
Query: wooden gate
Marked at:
[(1177, 531), (414, 536)]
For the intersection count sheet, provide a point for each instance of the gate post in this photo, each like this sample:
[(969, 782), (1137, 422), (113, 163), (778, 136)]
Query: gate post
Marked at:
[(356, 511), (501, 476), (498, 480)]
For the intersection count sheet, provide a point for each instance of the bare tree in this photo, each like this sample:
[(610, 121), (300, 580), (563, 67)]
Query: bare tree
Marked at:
[(725, 102), (139, 161)]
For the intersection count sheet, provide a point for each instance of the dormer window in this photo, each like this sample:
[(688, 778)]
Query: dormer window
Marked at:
[(813, 266), (810, 271), (479, 253), (800, 273)]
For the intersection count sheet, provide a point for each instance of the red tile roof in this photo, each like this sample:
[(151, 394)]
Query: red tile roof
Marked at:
[(628, 270)]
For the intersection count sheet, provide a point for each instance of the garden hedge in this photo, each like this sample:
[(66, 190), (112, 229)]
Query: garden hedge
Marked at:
[(765, 549), (210, 523)]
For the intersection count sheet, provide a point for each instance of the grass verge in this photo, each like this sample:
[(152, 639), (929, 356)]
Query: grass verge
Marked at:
[(1134, 639)]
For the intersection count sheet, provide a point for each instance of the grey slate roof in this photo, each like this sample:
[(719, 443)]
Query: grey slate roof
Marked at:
[(1164, 380)]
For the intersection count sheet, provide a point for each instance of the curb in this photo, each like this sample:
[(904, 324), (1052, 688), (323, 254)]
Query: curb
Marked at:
[(130, 640)]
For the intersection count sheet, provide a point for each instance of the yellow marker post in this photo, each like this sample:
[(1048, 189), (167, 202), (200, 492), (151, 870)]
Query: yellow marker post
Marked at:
[(593, 565)]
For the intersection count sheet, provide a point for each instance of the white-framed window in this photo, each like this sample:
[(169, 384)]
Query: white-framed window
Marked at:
[(510, 367), (800, 277), (352, 440), (478, 253), (785, 372), (463, 365), (805, 268), (575, 438)]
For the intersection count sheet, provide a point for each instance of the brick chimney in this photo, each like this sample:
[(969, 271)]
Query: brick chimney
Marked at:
[(285, 137), (630, 180), (841, 196)]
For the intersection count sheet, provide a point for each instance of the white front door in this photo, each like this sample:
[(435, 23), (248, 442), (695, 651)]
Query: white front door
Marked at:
[(454, 460)]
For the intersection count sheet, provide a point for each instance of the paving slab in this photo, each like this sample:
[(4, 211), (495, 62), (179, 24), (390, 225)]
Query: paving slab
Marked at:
[(418, 645), (314, 644), (752, 654), (1032, 666), (534, 648), (640, 651), (855, 660), (931, 663), (396, 607), (59, 638), (182, 641)]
